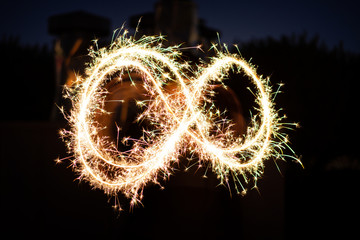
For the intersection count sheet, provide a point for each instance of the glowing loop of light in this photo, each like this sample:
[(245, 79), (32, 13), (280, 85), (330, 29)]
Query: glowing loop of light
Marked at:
[(184, 122)]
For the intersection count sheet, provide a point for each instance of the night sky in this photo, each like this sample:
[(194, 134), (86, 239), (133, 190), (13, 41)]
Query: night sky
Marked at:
[(239, 21)]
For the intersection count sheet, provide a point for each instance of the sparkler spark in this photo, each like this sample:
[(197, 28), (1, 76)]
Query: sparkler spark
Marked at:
[(185, 119)]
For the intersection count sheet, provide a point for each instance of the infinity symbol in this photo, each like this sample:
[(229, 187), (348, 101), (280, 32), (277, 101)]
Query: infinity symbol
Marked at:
[(185, 120)]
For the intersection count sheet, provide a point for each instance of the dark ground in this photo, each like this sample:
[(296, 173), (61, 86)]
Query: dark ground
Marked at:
[(43, 199)]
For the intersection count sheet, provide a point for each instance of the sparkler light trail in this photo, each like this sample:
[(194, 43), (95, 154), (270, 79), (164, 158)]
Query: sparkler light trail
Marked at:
[(185, 120)]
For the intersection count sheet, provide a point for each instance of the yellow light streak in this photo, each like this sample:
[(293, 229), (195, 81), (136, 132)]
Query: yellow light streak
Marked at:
[(182, 116)]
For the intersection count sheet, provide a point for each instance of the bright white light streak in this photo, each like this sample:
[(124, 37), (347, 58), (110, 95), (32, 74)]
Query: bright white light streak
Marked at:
[(182, 116)]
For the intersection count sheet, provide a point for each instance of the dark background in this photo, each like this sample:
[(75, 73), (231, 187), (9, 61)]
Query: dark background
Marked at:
[(333, 20), (311, 47)]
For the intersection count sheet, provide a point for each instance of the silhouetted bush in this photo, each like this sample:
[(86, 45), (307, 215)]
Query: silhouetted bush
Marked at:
[(320, 91)]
